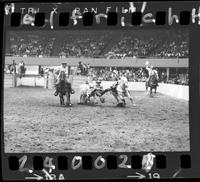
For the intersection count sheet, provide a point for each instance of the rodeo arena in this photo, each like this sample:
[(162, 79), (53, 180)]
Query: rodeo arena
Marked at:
[(96, 91)]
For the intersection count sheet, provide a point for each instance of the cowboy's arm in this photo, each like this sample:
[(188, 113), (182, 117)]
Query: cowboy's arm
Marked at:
[(147, 68), (59, 73), (157, 75)]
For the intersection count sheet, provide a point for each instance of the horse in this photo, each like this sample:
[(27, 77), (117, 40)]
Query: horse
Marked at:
[(12, 68), (64, 89), (152, 84), (21, 71)]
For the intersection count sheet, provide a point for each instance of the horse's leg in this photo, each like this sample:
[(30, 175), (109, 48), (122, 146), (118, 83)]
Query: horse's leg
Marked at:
[(100, 97), (85, 99), (61, 99), (81, 98), (147, 91), (121, 99), (151, 91), (56, 92), (131, 98), (146, 87), (115, 96), (68, 103), (69, 97), (92, 94), (123, 102), (106, 90), (95, 99)]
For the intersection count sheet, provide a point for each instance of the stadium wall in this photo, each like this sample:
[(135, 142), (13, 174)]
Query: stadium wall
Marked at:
[(101, 62), (173, 90), (9, 81)]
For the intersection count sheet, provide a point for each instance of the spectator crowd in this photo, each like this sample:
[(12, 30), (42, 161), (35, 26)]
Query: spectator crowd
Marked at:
[(30, 45), (80, 46), (132, 74), (161, 44)]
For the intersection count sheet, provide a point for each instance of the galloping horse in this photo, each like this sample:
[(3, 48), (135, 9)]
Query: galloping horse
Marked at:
[(64, 89), (152, 84)]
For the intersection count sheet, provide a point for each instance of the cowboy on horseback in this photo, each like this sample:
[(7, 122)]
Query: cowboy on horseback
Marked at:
[(64, 69), (12, 67), (21, 69), (151, 72)]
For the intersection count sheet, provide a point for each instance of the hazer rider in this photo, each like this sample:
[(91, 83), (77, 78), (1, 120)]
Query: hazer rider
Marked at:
[(64, 68), (151, 71)]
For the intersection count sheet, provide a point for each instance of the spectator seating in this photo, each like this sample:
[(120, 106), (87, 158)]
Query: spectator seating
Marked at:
[(142, 44)]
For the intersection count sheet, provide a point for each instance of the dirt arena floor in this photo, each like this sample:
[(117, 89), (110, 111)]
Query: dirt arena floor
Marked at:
[(35, 122)]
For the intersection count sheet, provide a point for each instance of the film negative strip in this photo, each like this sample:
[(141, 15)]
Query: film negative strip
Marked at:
[(100, 90)]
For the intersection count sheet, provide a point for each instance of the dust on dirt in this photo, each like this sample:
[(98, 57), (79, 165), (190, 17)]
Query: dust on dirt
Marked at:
[(35, 122)]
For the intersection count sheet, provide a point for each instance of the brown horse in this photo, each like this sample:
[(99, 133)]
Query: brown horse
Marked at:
[(152, 84), (64, 89), (21, 71)]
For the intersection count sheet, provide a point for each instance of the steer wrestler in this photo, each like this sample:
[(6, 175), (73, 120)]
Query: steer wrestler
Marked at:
[(97, 91), (122, 90)]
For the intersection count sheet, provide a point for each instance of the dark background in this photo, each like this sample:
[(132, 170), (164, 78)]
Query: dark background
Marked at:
[(173, 159)]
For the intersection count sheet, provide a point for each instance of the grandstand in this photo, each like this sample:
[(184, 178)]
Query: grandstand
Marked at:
[(104, 44), (168, 50)]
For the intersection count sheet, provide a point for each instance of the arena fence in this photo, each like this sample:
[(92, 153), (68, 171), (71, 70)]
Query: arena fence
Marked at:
[(173, 90), (101, 62), (10, 80)]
